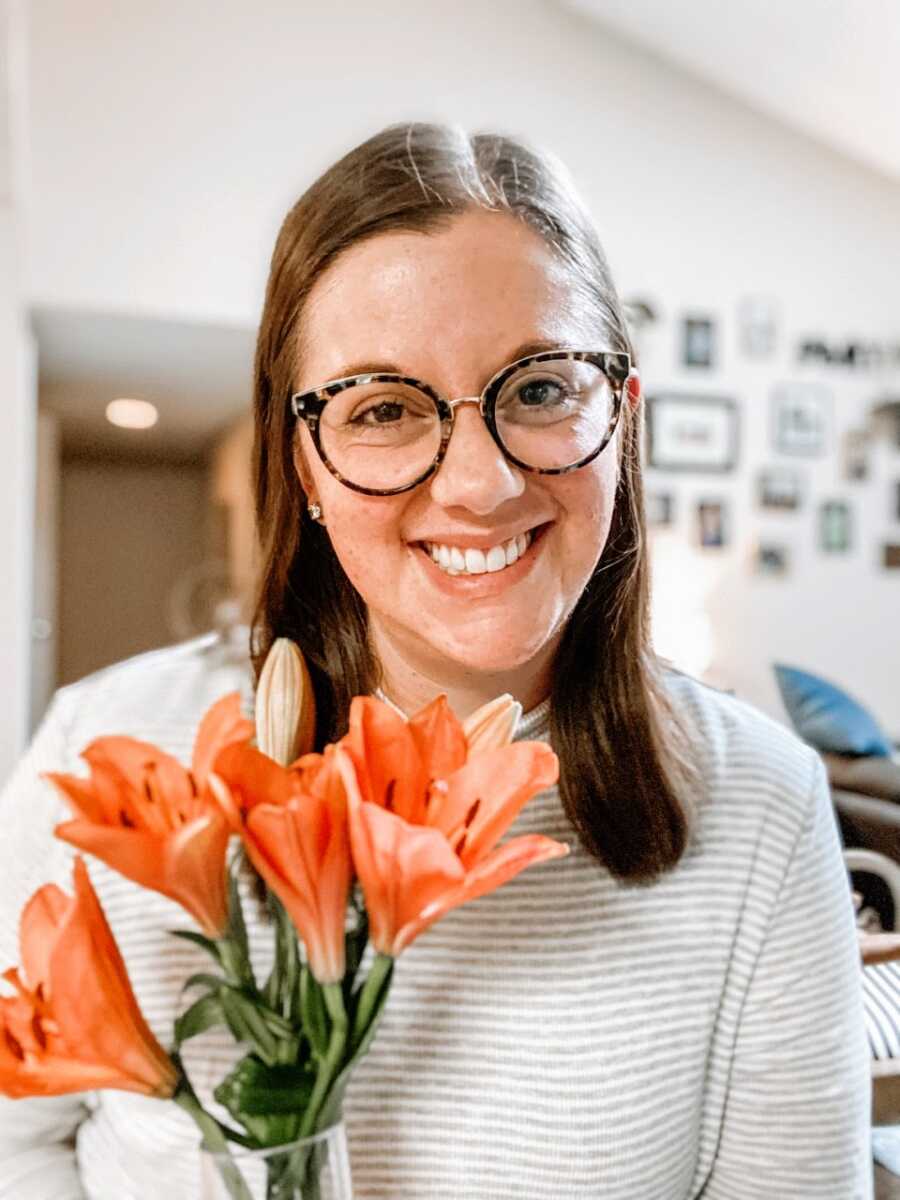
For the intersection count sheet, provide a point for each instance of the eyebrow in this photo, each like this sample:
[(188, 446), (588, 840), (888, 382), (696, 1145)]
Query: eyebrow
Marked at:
[(370, 367)]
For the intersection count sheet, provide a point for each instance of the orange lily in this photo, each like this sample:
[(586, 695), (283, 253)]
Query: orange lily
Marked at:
[(293, 823), (155, 822), (74, 1024), (425, 821)]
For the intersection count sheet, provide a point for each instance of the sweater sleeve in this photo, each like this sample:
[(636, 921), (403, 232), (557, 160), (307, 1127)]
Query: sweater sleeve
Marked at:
[(797, 1114), (37, 1156)]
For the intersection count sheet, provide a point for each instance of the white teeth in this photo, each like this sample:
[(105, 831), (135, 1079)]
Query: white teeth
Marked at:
[(455, 561)]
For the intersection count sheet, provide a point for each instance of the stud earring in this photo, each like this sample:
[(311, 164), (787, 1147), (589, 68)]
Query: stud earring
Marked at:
[(315, 510)]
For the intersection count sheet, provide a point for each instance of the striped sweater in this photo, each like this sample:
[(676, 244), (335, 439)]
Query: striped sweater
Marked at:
[(568, 1036)]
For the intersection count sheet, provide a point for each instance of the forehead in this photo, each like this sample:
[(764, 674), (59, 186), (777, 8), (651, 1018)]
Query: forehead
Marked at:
[(449, 306)]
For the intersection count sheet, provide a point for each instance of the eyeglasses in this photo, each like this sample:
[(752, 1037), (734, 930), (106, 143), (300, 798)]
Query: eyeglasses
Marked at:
[(550, 413)]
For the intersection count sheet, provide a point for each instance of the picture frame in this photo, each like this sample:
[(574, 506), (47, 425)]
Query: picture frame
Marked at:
[(780, 488), (800, 418), (687, 432), (855, 455), (712, 524), (772, 559), (835, 527), (659, 509), (698, 341), (890, 556)]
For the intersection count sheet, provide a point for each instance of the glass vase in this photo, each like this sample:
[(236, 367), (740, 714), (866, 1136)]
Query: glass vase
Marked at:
[(311, 1168)]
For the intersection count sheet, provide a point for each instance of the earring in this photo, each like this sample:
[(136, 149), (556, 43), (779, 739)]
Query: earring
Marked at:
[(315, 510)]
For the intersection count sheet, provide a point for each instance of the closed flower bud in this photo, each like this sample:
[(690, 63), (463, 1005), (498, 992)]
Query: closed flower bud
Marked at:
[(492, 725), (285, 705)]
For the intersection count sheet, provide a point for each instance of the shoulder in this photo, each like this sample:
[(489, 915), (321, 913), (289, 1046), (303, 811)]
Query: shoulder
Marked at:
[(747, 760), (168, 688)]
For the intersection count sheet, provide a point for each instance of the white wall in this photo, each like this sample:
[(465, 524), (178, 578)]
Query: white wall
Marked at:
[(17, 403), (169, 139), (45, 609)]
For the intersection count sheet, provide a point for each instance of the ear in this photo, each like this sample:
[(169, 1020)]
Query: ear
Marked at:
[(633, 389), (301, 464)]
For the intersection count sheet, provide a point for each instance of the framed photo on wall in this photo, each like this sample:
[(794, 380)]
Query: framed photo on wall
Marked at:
[(781, 488), (835, 527), (891, 556), (772, 559), (698, 341), (691, 433), (659, 508), (712, 523), (800, 418)]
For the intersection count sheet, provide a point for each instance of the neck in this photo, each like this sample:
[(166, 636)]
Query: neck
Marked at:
[(411, 681)]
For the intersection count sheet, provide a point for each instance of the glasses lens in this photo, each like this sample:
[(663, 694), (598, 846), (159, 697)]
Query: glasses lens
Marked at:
[(554, 413), (380, 435)]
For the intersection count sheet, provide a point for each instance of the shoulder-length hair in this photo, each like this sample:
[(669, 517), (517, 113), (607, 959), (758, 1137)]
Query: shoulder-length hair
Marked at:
[(625, 767)]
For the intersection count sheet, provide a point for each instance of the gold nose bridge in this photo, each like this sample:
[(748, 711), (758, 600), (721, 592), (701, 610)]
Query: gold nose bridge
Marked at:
[(466, 400)]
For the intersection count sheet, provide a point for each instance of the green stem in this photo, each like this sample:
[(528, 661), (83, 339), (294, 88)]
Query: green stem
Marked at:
[(214, 1141), (369, 997), (330, 1065)]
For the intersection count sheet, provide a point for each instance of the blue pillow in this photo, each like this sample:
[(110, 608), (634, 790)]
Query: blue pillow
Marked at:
[(828, 718)]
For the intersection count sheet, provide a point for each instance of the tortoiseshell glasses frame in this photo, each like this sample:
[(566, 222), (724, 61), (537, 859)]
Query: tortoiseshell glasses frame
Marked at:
[(615, 365)]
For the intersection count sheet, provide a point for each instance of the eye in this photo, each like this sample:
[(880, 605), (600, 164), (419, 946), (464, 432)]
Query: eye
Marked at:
[(537, 393), (382, 413)]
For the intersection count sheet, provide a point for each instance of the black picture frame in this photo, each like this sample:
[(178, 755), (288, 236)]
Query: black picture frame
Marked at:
[(686, 432)]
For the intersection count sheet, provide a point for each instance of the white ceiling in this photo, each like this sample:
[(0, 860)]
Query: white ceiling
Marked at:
[(829, 68), (198, 376)]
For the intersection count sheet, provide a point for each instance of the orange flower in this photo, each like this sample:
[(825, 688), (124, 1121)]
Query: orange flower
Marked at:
[(425, 822), (293, 823), (74, 1024), (155, 822)]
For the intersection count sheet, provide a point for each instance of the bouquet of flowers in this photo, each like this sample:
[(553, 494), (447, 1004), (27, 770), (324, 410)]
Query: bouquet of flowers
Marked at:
[(372, 840)]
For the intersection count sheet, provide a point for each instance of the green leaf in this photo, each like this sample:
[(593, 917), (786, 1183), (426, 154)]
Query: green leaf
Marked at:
[(202, 979), (199, 939), (314, 1013), (202, 1015), (269, 1101)]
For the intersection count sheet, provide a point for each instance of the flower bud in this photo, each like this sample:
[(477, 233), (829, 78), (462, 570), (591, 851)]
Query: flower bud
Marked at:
[(492, 725), (285, 705)]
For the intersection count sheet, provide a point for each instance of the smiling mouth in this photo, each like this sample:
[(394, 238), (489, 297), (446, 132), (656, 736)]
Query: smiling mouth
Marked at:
[(458, 560)]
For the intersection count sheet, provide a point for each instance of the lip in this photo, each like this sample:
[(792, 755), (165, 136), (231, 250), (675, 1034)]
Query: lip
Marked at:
[(475, 541), (490, 583)]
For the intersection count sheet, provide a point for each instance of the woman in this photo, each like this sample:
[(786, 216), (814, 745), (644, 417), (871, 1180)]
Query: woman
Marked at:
[(672, 1011)]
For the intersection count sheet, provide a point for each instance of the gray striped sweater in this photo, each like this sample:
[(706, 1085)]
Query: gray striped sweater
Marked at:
[(567, 1036)]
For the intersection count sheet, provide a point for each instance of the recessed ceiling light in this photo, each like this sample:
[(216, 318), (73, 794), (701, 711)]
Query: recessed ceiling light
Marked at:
[(132, 414)]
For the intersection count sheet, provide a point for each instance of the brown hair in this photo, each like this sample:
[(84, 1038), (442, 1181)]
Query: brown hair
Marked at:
[(625, 767)]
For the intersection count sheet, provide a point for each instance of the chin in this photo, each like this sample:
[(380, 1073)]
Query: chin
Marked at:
[(490, 658)]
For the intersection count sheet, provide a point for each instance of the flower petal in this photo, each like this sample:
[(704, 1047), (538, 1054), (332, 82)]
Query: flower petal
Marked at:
[(388, 766), (38, 926), (486, 876), (439, 738), (221, 725), (501, 781)]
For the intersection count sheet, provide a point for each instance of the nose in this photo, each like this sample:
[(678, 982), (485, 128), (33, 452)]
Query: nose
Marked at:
[(475, 474)]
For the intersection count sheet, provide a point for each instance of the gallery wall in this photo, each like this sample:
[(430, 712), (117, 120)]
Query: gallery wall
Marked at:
[(187, 130)]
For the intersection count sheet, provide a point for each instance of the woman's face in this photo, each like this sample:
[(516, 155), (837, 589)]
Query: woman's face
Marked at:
[(452, 308)]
